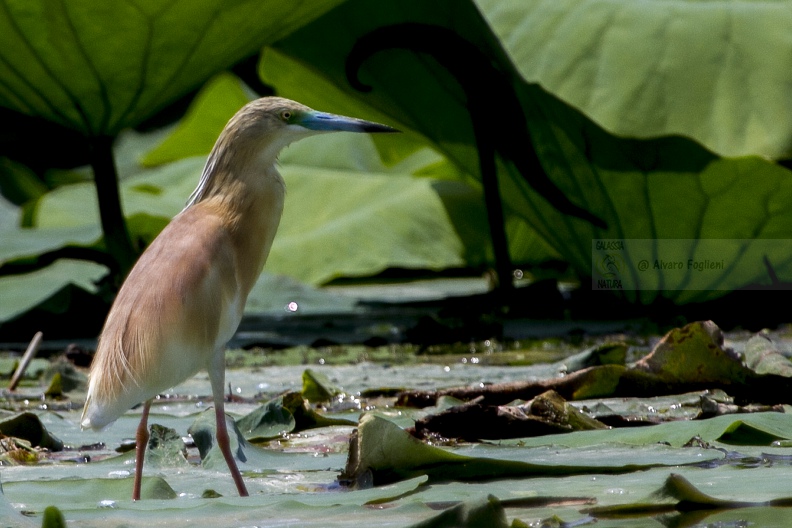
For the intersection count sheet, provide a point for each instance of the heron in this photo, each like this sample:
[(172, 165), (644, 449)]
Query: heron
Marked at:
[(183, 299)]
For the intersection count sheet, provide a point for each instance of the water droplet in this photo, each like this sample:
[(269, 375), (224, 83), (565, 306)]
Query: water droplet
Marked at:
[(518, 274), (321, 361), (118, 474), (292, 307), (474, 360), (107, 504), (446, 369), (616, 491)]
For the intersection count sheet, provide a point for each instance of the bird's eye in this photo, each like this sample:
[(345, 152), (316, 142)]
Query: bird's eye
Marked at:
[(286, 115)]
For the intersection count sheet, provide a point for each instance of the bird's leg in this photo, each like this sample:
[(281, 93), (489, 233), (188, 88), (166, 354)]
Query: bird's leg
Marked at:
[(225, 447), (217, 378), (141, 441)]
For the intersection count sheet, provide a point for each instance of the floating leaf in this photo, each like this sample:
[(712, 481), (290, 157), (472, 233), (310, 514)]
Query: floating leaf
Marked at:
[(546, 414), (317, 387), (382, 452), (165, 448), (486, 513), (759, 429), (686, 359), (694, 354), (203, 432), (270, 420), (763, 357), (678, 494), (28, 426), (89, 491), (288, 413)]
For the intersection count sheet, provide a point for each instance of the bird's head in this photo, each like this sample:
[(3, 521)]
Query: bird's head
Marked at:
[(261, 129), (279, 121)]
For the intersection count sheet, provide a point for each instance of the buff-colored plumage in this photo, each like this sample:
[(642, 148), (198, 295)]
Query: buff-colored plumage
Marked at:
[(184, 298)]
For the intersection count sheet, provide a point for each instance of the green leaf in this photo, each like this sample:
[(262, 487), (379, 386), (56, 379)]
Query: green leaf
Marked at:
[(694, 354), (89, 491), (666, 188), (279, 294), (548, 413), (203, 431), (27, 426), (288, 413), (362, 223), (707, 70), (763, 357), (160, 192), (679, 494), (69, 377), (98, 69), (53, 518), (26, 244), (18, 183), (22, 292), (382, 452), (749, 429), (294, 78), (270, 420), (251, 457), (485, 513), (197, 131), (165, 448), (317, 387)]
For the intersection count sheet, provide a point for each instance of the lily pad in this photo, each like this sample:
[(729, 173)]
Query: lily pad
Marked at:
[(485, 513), (28, 426), (89, 492), (317, 387), (382, 452), (763, 357), (288, 413)]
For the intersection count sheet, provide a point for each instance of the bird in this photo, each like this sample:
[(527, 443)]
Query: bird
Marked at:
[(183, 299)]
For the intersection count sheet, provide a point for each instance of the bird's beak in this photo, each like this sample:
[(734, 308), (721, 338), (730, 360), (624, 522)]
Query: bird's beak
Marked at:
[(322, 122)]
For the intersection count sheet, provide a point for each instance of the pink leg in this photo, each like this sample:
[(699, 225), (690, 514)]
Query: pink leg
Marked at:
[(225, 448), (141, 442), (217, 378)]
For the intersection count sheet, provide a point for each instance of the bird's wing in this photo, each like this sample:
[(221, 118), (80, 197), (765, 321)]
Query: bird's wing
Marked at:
[(177, 307)]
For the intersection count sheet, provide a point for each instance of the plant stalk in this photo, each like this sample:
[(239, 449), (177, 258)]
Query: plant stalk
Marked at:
[(116, 236)]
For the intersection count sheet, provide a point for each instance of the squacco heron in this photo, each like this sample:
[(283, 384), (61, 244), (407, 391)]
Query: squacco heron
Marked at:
[(184, 298)]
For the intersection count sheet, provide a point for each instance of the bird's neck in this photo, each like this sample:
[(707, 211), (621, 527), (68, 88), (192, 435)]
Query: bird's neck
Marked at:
[(248, 197)]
